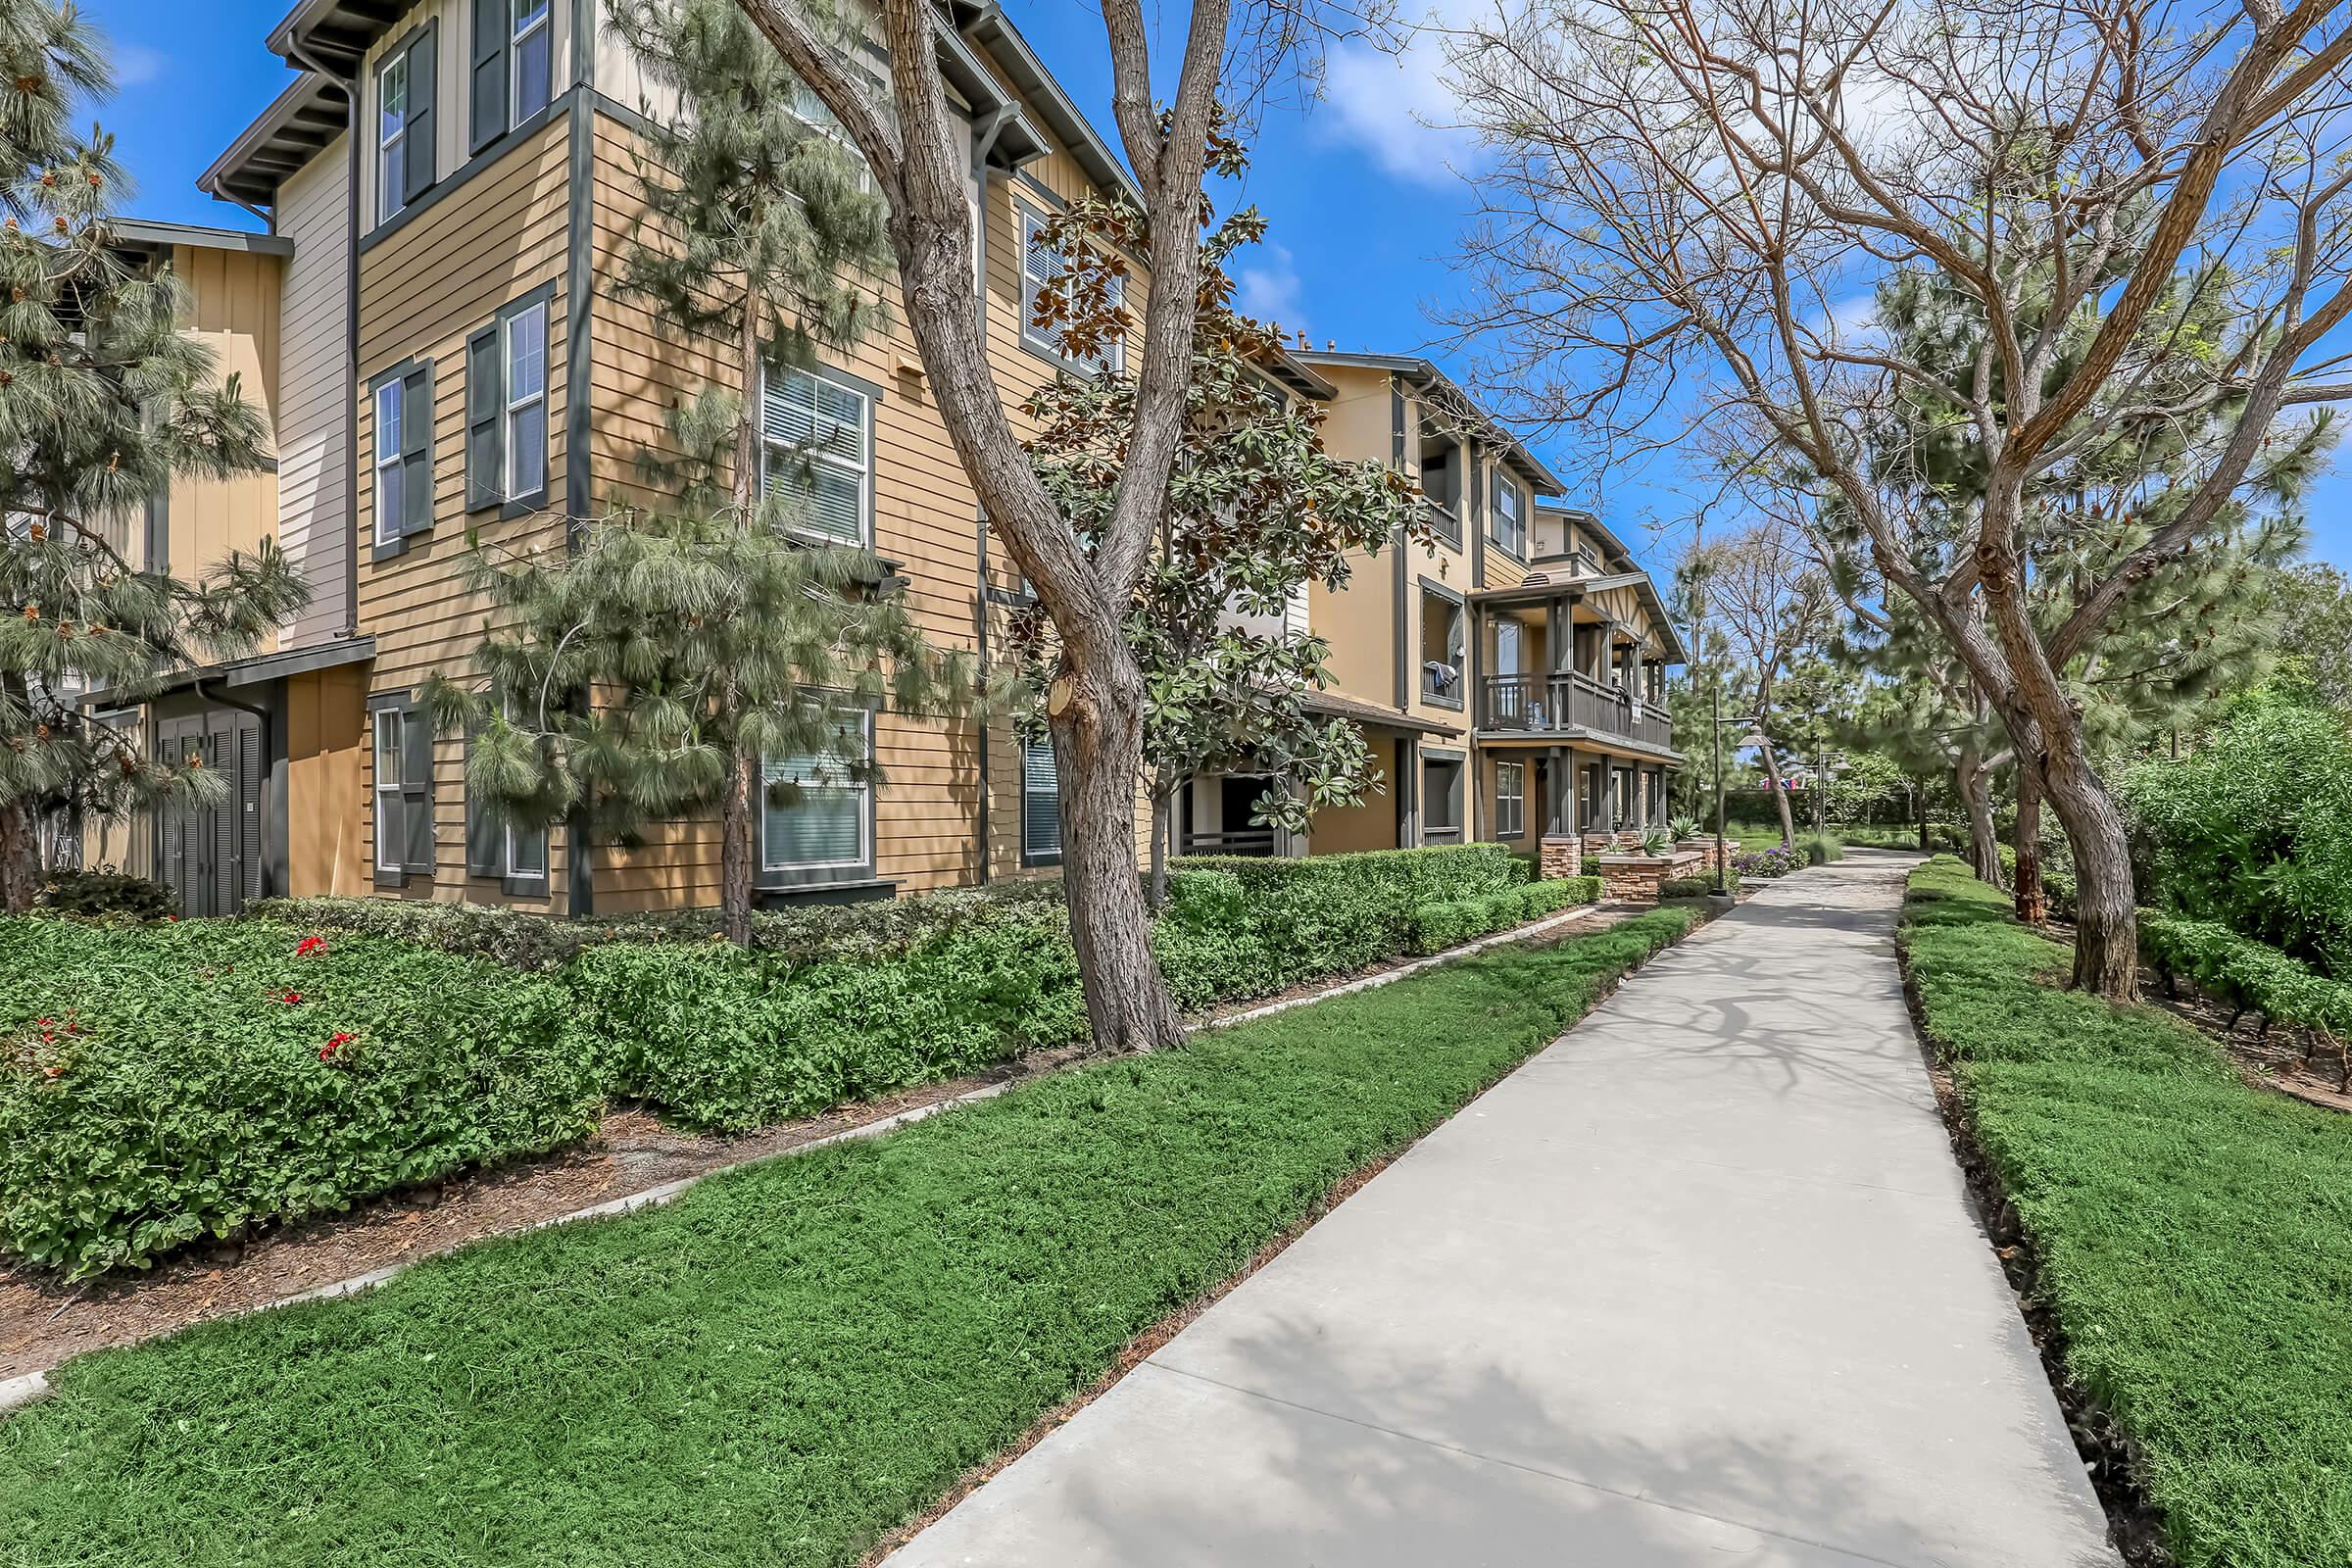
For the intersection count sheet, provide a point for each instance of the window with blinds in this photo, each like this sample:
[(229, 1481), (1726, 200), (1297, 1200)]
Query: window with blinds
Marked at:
[(1043, 272), (825, 827), (1041, 802), (817, 453), (1510, 799)]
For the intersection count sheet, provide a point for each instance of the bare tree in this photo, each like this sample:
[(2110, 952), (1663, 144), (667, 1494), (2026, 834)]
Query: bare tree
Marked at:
[(1096, 703), (2140, 208), (1765, 590)]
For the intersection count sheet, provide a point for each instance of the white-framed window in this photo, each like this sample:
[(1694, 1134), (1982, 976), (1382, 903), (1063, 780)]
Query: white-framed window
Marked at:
[(810, 111), (1041, 802), (392, 135), (531, 59), (1510, 799), (526, 853), (825, 828), (391, 819), (816, 451), (1043, 272), (1510, 515), (525, 352), (391, 492)]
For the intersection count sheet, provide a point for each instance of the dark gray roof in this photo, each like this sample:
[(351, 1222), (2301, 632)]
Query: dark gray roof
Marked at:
[(311, 112)]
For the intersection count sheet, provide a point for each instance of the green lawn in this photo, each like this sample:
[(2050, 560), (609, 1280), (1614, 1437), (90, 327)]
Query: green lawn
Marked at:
[(794, 1357), (2195, 1233)]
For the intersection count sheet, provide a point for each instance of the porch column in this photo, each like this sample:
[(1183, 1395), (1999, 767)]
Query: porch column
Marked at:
[(1560, 791)]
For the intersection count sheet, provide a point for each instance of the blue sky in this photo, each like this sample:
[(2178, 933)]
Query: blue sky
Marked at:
[(1364, 202)]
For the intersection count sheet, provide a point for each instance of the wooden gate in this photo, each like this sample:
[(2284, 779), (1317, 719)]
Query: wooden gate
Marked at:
[(212, 854)]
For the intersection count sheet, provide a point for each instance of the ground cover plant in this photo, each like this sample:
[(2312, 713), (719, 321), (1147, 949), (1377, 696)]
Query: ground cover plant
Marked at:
[(2250, 976), (2194, 1233), (1776, 861), (163, 1081), (792, 1359)]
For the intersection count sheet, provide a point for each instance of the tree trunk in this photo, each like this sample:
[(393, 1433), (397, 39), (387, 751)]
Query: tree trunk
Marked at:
[(738, 815), (2106, 922), (1097, 741), (1983, 839), (1163, 815), (20, 859), (2032, 907), (1779, 795), (747, 449)]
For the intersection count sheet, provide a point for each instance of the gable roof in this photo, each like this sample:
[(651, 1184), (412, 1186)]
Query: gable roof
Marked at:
[(1428, 379), (296, 126)]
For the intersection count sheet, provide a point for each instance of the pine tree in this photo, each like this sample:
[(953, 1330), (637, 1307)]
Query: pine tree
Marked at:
[(717, 647), (764, 231), (695, 654), (103, 402), (1257, 511)]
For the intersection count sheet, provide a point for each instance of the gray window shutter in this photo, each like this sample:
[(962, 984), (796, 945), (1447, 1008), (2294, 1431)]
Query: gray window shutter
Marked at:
[(493, 22), (417, 449), (1041, 800), (485, 401), (417, 152), (484, 842), (416, 788)]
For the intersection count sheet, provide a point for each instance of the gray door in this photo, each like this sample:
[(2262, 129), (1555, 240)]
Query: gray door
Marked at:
[(211, 853)]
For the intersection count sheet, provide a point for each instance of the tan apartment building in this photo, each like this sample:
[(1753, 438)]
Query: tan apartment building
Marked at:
[(1509, 675), (447, 356)]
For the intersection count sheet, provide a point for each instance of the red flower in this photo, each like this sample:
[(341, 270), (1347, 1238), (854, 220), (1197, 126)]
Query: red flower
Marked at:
[(291, 998), (309, 945), (336, 1041)]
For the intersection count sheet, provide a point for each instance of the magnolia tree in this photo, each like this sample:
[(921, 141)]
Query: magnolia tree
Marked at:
[(103, 402), (1256, 511), (915, 151), (1689, 200)]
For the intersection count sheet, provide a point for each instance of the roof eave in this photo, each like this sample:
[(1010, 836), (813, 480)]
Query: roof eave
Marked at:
[(988, 27)]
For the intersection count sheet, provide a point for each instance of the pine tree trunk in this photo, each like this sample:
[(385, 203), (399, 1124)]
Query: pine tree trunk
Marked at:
[(1098, 741), (2032, 907), (737, 818), (2106, 920), (20, 859), (1983, 839), (747, 448)]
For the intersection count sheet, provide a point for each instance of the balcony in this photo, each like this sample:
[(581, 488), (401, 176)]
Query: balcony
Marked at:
[(1566, 701)]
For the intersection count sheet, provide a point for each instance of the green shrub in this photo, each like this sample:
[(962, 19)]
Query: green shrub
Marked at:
[(162, 1082), (106, 892), (1820, 849), (1448, 924), (1330, 913), (1698, 887), (727, 1038), (2253, 828), (2191, 1230), (2245, 973)]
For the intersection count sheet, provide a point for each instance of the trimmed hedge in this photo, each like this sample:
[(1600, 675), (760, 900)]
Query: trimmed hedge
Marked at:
[(729, 1040), (161, 1083), (1700, 886), (187, 1101), (2192, 1232), (2245, 973), (1439, 926)]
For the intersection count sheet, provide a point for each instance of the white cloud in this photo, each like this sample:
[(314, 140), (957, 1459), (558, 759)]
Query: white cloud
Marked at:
[(1271, 291), (1398, 106), (136, 67)]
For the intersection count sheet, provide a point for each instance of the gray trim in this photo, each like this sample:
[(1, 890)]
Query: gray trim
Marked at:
[(446, 184), (1403, 659), (1031, 862), (351, 362), (579, 298), (583, 43), (280, 141), (159, 529), (1474, 518), (143, 231)]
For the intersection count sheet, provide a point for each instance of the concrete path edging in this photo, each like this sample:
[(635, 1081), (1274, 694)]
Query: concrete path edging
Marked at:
[(19, 1391)]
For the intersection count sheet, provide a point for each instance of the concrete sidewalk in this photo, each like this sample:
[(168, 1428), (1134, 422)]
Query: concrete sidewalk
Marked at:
[(1697, 1285)]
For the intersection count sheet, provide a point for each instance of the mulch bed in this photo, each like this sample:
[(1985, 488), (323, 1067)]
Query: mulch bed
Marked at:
[(2290, 1060), (43, 1322)]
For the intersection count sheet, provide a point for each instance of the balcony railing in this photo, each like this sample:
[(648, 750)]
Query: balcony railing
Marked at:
[(1569, 701), (1445, 524), (1441, 835), (1441, 683)]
